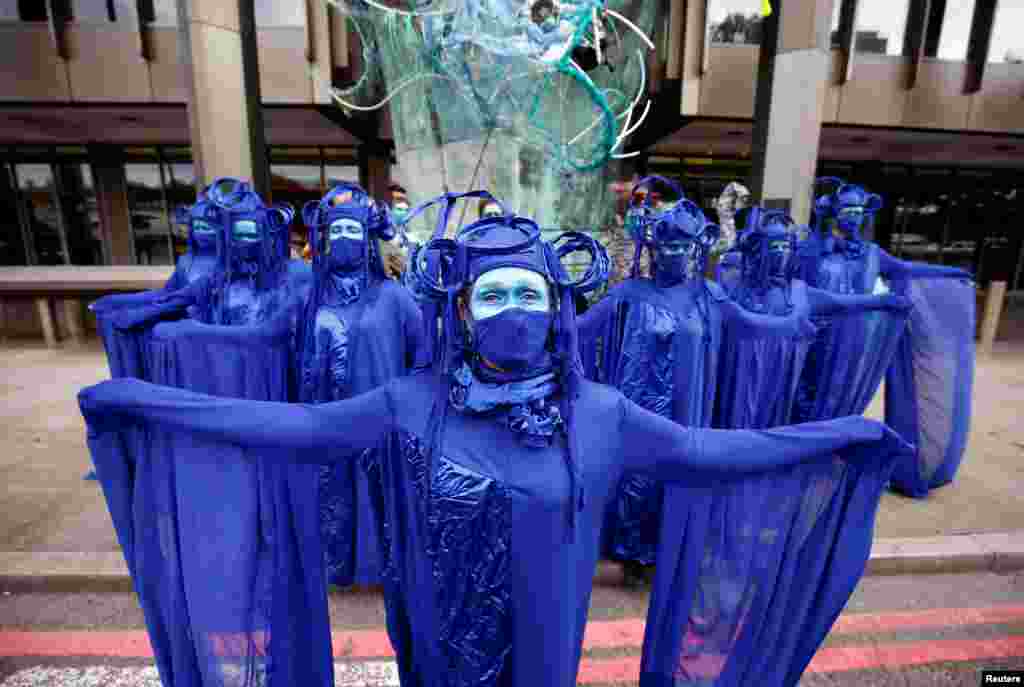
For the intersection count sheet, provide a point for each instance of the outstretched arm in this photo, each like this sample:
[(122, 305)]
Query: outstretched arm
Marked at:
[(671, 452), (338, 428), (828, 303), (168, 306), (894, 268)]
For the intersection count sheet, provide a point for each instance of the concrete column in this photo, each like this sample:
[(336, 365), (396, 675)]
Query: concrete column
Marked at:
[(112, 202), (45, 311), (218, 41), (788, 108), (994, 297)]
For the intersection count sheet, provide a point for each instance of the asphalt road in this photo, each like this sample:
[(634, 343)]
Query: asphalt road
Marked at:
[(904, 631)]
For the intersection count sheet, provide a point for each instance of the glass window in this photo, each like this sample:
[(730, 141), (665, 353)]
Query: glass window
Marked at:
[(81, 214), (956, 30), (9, 10), (149, 220), (335, 173), (180, 185), (32, 10), (837, 8), (12, 235), (734, 21), (37, 188), (280, 13), (1007, 44), (880, 26), (94, 11)]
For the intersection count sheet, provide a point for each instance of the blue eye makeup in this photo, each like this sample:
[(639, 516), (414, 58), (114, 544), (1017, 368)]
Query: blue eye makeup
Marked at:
[(346, 228), (201, 226), (245, 230), (509, 288)]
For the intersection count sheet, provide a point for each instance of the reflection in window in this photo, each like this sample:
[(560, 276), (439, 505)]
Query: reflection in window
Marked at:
[(81, 214), (280, 13), (880, 26), (180, 190), (94, 11), (734, 21), (956, 30), (9, 10), (159, 12), (837, 7), (12, 238), (38, 196), (148, 214), (1007, 44), (335, 173)]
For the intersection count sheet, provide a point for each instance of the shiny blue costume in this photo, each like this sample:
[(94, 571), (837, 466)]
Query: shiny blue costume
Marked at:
[(928, 386), (759, 377), (359, 330), (492, 491)]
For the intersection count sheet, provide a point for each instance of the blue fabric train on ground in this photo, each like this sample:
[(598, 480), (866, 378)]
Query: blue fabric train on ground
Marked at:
[(493, 489), (759, 275), (358, 331), (928, 386)]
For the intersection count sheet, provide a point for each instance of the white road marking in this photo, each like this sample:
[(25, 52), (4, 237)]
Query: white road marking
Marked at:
[(361, 674)]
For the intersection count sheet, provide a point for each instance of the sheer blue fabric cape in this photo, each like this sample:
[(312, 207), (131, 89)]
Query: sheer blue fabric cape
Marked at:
[(483, 585)]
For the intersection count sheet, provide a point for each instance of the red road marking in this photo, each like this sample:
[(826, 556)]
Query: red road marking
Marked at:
[(626, 633), (841, 659)]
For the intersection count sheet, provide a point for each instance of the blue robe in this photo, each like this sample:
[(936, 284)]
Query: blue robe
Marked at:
[(663, 349), (840, 366), (486, 582), (354, 348), (928, 386)]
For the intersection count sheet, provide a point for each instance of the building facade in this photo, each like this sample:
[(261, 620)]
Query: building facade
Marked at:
[(924, 104)]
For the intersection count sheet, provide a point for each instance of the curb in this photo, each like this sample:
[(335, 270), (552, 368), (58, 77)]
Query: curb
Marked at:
[(998, 552)]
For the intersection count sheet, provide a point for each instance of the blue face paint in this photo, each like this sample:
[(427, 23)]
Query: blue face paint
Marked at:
[(780, 253), (676, 260), (346, 246), (399, 213), (511, 310), (346, 228), (509, 287), (204, 233), (245, 230), (849, 221)]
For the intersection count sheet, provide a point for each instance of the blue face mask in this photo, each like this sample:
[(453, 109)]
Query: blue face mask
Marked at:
[(676, 261), (779, 256), (514, 340), (849, 221), (549, 25), (347, 245)]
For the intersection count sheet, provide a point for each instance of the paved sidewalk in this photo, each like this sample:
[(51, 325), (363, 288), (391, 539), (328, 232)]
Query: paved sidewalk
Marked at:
[(47, 507)]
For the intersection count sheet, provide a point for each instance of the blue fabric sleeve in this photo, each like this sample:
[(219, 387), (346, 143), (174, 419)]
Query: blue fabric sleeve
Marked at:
[(894, 268), (746, 322), (653, 444), (320, 433), (168, 306), (829, 303)]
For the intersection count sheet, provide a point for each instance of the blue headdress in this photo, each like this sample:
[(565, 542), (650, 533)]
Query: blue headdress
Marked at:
[(512, 241), (761, 229), (684, 220)]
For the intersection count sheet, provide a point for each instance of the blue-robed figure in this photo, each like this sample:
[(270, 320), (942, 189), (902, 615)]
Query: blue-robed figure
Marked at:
[(659, 340), (928, 386), (358, 331), (492, 490), (759, 377), (204, 258)]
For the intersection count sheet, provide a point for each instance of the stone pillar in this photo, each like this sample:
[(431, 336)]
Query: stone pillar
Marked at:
[(792, 79), (112, 202), (218, 42)]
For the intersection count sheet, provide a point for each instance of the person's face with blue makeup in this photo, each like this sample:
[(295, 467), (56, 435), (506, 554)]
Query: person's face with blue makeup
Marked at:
[(490, 210), (510, 318), (400, 210), (508, 287), (849, 221), (204, 232), (676, 259), (780, 252), (245, 231), (346, 244)]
